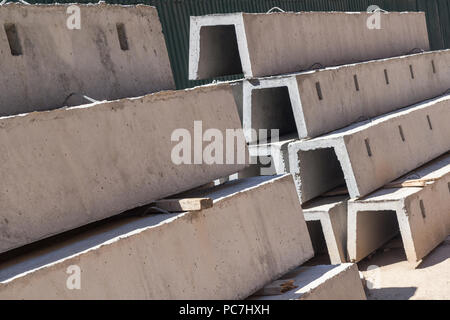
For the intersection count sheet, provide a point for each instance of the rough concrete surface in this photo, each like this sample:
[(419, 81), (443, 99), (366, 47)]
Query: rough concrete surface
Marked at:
[(253, 234), (317, 102), (51, 61), (422, 214), (322, 282), (68, 167), (269, 44), (272, 156), (372, 153), (391, 277), (327, 220)]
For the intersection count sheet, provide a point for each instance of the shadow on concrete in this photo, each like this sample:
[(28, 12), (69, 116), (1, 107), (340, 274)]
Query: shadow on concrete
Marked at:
[(383, 258), (318, 259), (391, 293), (390, 253), (437, 256), (50, 250)]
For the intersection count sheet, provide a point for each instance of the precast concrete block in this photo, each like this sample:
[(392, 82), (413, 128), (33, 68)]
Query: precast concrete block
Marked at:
[(321, 282), (258, 44), (253, 234), (326, 218), (65, 168), (367, 155), (53, 55), (422, 214), (317, 102)]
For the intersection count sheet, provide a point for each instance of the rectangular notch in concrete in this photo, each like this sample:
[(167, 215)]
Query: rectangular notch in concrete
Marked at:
[(422, 209), (355, 80), (411, 71), (319, 91), (13, 39), (369, 151), (433, 66), (122, 35), (219, 52), (429, 122), (400, 130)]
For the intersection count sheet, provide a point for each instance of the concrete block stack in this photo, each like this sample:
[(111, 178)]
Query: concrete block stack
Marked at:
[(352, 117), (85, 187), (95, 207)]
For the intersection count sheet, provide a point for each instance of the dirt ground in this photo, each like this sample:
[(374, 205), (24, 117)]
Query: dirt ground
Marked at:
[(389, 276)]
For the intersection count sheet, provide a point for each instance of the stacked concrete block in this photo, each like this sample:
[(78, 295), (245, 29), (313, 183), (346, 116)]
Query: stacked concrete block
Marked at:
[(68, 167), (418, 205), (300, 105), (314, 103), (253, 234), (53, 55), (269, 44), (271, 157), (321, 282), (359, 126), (326, 218), (369, 154)]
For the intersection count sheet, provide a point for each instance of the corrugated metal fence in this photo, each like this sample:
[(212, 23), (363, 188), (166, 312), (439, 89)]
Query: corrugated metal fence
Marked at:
[(174, 15)]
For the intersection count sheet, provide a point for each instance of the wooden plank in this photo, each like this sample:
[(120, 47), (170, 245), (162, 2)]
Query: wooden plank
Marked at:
[(186, 204), (410, 183), (414, 183), (277, 287)]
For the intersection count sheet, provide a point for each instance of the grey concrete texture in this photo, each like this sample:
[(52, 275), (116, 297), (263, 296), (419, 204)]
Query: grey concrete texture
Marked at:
[(422, 214), (271, 156), (331, 214), (68, 167), (367, 155), (322, 282), (395, 278), (260, 45), (317, 102), (44, 62), (253, 234)]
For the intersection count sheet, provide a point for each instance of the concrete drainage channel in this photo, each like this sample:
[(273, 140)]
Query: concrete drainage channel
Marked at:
[(362, 154)]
